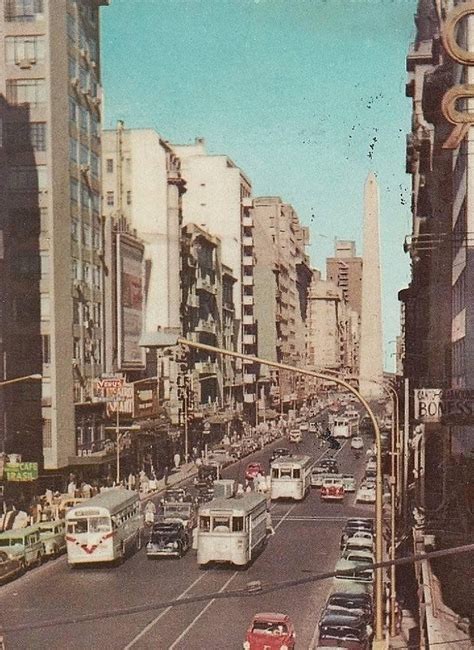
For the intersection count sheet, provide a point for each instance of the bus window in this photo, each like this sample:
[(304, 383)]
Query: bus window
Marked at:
[(275, 472), (296, 473), (205, 524), (285, 473), (77, 526), (237, 524), (99, 525), (221, 524)]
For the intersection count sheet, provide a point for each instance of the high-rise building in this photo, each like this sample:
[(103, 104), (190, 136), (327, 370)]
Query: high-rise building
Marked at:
[(345, 270), (148, 198), (52, 321), (283, 276), (218, 199)]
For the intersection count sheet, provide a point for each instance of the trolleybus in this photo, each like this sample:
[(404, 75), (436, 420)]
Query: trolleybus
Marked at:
[(232, 530), (105, 528), (291, 477)]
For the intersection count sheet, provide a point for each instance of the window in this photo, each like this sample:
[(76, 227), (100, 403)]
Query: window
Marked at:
[(23, 10), (29, 178), (73, 149), (75, 229), (86, 235), (46, 389), (24, 49), (45, 306), (38, 136), (220, 523), (296, 473), (72, 109), (75, 269), (26, 91), (86, 272), (205, 524), (129, 197), (74, 188), (20, 136), (84, 155), (83, 80), (85, 198), (83, 119), (109, 165), (76, 308), (237, 524), (95, 202), (110, 198), (94, 165), (71, 27), (44, 262), (72, 67), (96, 239)]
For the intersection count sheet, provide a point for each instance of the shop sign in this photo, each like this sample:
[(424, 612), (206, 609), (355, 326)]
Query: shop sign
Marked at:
[(145, 400), (108, 388), (450, 406), (20, 472)]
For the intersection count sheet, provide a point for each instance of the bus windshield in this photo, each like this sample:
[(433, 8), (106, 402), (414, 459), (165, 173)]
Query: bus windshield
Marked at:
[(91, 525)]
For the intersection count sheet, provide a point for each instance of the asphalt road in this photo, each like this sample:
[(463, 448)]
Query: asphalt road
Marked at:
[(306, 540)]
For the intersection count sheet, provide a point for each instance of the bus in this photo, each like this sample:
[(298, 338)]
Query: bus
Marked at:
[(290, 477), (105, 528), (232, 530)]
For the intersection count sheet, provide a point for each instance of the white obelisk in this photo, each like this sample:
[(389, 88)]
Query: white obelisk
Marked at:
[(371, 344)]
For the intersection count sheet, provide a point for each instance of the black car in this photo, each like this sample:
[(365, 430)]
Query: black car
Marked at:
[(278, 453), (210, 472), (346, 630), (330, 465), (167, 539), (359, 604)]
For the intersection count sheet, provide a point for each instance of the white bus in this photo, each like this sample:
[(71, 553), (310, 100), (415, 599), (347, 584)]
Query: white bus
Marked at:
[(342, 428), (290, 477), (105, 528), (232, 530)]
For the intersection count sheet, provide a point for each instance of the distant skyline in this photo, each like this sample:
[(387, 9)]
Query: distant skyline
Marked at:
[(306, 97)]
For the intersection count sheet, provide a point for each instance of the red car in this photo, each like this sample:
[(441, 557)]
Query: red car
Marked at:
[(253, 469), (270, 631)]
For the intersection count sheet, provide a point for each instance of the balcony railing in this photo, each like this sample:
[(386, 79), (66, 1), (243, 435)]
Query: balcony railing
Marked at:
[(205, 283), (247, 300), (249, 398), (247, 280), (207, 326), (248, 319), (249, 339), (247, 260), (247, 221), (249, 378)]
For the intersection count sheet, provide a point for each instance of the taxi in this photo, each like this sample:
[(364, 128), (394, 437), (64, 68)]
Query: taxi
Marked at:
[(270, 631)]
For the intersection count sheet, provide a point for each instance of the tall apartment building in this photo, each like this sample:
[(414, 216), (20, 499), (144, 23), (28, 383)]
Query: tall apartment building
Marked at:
[(282, 279), (142, 185), (345, 270), (52, 312), (218, 199)]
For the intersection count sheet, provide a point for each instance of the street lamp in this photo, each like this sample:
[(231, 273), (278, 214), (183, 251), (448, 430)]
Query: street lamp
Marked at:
[(167, 338), (17, 379)]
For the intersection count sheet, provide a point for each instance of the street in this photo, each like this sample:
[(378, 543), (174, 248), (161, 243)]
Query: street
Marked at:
[(306, 540)]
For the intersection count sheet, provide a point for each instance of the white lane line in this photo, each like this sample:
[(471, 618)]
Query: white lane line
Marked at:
[(165, 611), (204, 610)]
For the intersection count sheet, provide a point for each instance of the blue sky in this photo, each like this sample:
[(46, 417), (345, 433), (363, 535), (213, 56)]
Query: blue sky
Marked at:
[(306, 96)]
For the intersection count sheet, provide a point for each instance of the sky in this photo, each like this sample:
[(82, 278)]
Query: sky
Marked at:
[(306, 96)]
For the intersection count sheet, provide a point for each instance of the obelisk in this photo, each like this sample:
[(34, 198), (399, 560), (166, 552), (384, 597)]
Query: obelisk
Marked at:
[(371, 344)]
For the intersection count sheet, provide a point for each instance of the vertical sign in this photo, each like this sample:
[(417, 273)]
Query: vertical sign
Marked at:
[(130, 303)]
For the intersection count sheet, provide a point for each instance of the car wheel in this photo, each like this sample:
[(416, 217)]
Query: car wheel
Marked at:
[(39, 560)]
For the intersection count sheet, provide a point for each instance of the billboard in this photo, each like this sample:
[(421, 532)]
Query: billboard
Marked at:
[(130, 302), (21, 472), (145, 400), (447, 406)]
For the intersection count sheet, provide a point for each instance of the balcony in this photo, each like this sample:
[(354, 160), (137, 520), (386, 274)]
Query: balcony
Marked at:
[(247, 221), (249, 398), (192, 301), (247, 241), (248, 319), (206, 367), (247, 300), (249, 339), (205, 283), (249, 378), (247, 260), (207, 326), (247, 280)]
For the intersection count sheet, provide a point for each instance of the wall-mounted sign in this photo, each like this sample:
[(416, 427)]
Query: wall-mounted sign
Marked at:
[(450, 406), (145, 399), (19, 472)]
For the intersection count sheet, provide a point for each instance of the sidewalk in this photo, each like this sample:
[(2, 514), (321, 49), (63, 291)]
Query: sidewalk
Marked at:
[(185, 472)]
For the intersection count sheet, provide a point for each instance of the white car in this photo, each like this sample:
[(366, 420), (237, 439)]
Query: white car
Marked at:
[(366, 493), (363, 534), (358, 544), (304, 426), (357, 443), (371, 466), (313, 427)]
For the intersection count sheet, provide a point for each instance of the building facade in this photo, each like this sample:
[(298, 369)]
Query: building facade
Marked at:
[(52, 232), (218, 199)]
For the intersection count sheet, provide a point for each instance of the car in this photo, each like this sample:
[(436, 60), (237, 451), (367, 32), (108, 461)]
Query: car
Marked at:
[(10, 567), (350, 601), (363, 534), (279, 452), (343, 631), (355, 571), (332, 489), (359, 555), (295, 436), (253, 470), (207, 472), (355, 525), (304, 427), (366, 493), (371, 466), (330, 464), (271, 631), (52, 534), (313, 427), (174, 495), (357, 443), (349, 483), (318, 474), (359, 543), (167, 539)]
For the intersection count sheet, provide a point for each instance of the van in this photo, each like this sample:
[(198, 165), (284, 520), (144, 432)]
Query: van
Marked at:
[(23, 544), (52, 534)]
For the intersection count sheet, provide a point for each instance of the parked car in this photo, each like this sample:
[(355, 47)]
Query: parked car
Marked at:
[(332, 489), (359, 543), (357, 443), (344, 601), (355, 525), (253, 469), (313, 427), (349, 483), (343, 631), (279, 452), (270, 631), (371, 466), (167, 539), (10, 568), (355, 571), (304, 427), (366, 493)]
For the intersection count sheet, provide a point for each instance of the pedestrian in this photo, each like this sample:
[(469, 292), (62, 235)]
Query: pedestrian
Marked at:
[(177, 460), (248, 487), (71, 488), (86, 490), (269, 524), (240, 490), (131, 481), (165, 474)]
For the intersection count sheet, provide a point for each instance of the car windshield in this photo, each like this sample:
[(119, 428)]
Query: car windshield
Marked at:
[(268, 627), (339, 632)]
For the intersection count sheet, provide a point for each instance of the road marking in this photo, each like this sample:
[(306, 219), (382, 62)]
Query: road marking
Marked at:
[(196, 619), (165, 611)]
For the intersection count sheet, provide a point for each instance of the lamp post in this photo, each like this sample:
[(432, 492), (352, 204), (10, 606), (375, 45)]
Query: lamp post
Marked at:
[(17, 379), (169, 339)]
